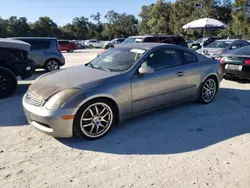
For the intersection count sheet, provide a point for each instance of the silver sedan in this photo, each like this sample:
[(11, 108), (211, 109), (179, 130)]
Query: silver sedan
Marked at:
[(125, 81)]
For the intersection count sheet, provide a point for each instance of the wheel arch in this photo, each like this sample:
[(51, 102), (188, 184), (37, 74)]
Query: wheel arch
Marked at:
[(212, 76), (108, 98)]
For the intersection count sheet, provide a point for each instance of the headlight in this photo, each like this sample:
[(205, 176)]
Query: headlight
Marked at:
[(60, 98)]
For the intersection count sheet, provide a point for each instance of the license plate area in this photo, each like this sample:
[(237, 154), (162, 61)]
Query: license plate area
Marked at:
[(233, 67)]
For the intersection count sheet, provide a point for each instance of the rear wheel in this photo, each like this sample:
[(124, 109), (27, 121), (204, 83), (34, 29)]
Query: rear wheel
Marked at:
[(94, 119), (70, 50), (52, 65), (208, 90), (8, 83)]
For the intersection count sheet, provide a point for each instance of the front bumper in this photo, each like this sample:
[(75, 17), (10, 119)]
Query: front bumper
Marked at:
[(48, 121)]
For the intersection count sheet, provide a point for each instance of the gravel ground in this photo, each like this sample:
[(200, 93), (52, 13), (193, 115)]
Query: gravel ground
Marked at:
[(185, 146)]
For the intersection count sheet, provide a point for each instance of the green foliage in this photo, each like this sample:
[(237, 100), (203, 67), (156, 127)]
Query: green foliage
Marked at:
[(160, 17)]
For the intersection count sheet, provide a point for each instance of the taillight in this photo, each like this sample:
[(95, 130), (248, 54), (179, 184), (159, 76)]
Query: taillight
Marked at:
[(58, 46), (247, 62), (222, 60)]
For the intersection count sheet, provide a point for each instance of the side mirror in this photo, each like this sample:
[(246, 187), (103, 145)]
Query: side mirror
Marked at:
[(233, 47), (146, 70)]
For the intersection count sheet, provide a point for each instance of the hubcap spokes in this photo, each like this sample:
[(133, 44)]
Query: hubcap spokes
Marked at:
[(209, 90), (52, 65), (96, 120)]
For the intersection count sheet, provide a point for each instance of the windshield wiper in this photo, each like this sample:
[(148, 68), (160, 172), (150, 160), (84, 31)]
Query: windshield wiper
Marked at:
[(99, 67)]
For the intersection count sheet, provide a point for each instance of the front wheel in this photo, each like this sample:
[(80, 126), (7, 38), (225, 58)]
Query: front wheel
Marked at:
[(8, 83), (52, 65), (94, 119), (208, 91)]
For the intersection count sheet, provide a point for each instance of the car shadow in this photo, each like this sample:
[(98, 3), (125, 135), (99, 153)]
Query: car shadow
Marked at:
[(11, 108), (241, 81), (178, 129)]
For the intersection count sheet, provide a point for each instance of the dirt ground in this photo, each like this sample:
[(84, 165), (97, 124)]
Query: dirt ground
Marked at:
[(189, 145)]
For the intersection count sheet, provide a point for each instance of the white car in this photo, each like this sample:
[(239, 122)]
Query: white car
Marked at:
[(93, 43)]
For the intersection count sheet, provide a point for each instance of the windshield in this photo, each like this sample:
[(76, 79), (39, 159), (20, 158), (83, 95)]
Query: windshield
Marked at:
[(200, 40), (117, 59), (219, 44), (132, 40)]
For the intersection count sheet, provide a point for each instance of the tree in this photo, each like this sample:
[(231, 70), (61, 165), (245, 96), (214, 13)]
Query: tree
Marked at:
[(3, 28), (45, 27), (80, 27), (18, 27)]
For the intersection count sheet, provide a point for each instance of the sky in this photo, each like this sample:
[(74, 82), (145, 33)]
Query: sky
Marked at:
[(63, 11)]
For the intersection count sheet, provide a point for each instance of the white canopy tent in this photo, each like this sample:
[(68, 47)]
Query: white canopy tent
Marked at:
[(205, 24)]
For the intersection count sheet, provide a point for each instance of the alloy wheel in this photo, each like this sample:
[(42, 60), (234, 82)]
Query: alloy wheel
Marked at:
[(209, 90), (96, 120), (52, 65)]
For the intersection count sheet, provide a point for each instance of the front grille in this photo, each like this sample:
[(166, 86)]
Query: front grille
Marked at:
[(34, 99)]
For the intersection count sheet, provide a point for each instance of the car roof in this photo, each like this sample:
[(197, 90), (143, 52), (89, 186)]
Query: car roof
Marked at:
[(38, 38), (227, 40), (159, 35), (144, 46)]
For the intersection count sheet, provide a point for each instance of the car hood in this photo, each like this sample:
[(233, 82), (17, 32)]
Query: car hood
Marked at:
[(51, 83), (213, 50)]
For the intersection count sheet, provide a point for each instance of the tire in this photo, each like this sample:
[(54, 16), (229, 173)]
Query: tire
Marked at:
[(93, 122), (91, 46), (208, 90), (52, 65), (8, 83), (70, 50)]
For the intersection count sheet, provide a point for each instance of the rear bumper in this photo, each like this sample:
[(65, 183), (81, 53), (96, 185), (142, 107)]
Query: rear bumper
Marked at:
[(26, 69), (244, 73), (62, 60)]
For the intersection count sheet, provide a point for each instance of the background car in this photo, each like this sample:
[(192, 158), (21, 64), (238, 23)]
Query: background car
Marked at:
[(68, 46), (160, 38), (125, 81), (13, 62), (110, 44), (219, 47), (93, 43), (199, 42), (45, 51), (236, 63)]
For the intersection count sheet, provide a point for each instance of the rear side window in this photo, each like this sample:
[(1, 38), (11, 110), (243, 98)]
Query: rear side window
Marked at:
[(38, 44), (150, 39), (63, 42), (180, 41), (189, 58), (166, 40)]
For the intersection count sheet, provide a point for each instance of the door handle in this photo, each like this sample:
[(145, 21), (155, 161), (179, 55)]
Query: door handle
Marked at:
[(180, 74)]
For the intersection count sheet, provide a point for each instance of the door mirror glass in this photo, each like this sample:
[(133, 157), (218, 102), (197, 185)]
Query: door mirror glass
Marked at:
[(233, 47), (146, 70)]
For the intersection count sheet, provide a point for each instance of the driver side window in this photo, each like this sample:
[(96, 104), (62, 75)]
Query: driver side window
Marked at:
[(163, 59)]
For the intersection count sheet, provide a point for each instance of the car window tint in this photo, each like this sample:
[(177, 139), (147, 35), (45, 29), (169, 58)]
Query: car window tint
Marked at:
[(189, 58), (164, 58), (63, 42), (165, 40), (150, 39), (180, 41), (38, 44)]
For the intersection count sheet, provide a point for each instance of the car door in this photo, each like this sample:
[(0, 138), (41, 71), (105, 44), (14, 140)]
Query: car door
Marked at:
[(38, 51), (192, 71), (162, 87), (98, 44)]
